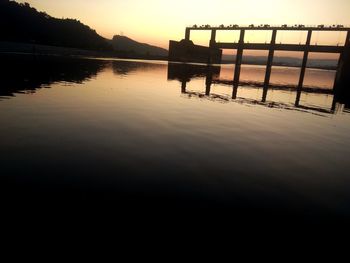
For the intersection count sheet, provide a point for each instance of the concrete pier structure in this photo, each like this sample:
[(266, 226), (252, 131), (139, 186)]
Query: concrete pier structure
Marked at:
[(186, 51)]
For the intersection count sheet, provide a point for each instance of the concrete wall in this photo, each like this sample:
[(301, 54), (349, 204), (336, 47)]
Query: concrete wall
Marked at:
[(186, 51)]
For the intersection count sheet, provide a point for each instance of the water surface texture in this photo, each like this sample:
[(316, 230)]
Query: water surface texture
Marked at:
[(173, 136)]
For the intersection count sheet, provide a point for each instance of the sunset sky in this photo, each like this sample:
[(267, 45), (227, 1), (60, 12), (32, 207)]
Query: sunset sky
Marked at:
[(157, 21)]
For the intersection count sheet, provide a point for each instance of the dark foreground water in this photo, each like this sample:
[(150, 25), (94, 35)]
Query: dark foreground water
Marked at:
[(153, 136)]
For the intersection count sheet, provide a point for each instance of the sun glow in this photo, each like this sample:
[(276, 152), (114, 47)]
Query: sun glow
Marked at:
[(157, 21)]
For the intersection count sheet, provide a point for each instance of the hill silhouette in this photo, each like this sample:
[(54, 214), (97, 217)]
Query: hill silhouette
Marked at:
[(125, 44), (22, 23)]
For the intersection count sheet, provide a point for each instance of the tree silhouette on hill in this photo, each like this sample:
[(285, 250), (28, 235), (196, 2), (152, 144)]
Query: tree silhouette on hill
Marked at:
[(23, 23)]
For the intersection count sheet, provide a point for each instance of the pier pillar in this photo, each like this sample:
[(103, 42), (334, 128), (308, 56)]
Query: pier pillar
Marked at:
[(334, 103), (234, 92), (297, 99), (187, 34), (208, 85), (213, 38), (183, 86), (212, 47), (343, 63), (341, 87), (208, 81), (269, 65), (239, 59), (306, 55)]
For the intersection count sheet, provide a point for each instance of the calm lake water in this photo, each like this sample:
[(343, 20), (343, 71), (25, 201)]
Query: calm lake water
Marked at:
[(173, 136)]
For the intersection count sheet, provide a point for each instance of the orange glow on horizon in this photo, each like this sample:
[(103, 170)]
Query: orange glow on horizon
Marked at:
[(157, 21)]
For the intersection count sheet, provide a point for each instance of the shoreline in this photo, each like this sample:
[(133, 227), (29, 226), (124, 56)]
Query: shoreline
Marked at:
[(16, 48)]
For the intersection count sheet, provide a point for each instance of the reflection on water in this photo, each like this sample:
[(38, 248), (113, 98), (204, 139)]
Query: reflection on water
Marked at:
[(281, 76), (148, 134), (25, 74), (281, 93)]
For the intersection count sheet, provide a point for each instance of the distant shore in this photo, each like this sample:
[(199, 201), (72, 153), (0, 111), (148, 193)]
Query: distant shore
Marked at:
[(35, 49)]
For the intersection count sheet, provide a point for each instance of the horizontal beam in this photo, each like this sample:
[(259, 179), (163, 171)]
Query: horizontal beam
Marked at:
[(282, 47), (253, 85), (274, 28)]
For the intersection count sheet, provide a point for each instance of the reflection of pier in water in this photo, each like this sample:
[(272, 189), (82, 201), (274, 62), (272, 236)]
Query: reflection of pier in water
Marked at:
[(184, 73)]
